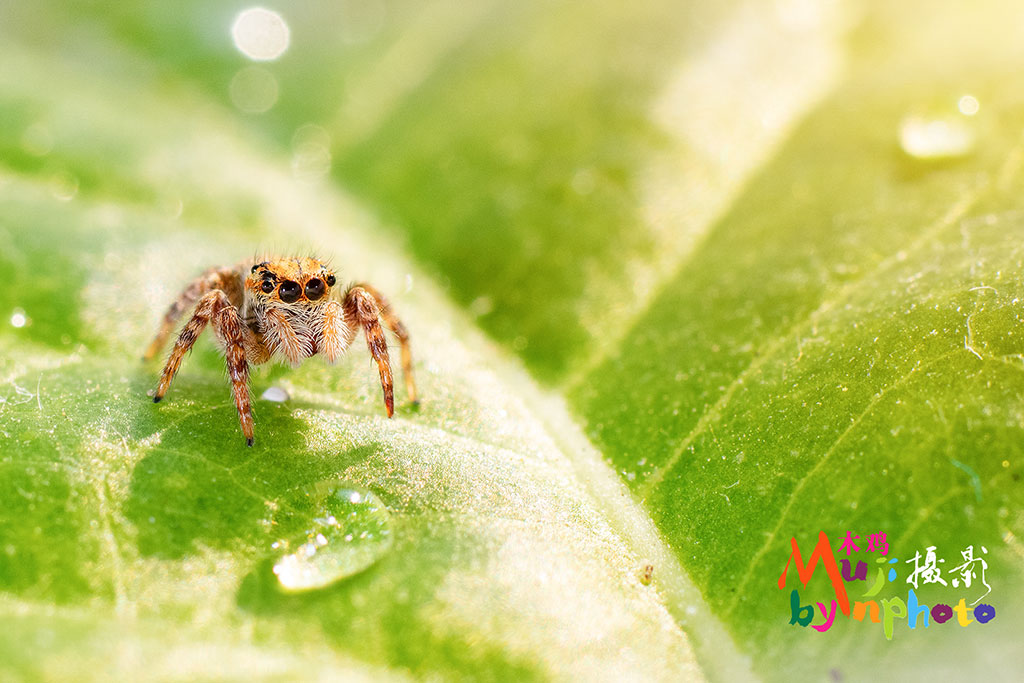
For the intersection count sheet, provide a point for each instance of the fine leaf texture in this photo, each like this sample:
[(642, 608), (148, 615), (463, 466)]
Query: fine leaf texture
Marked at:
[(843, 352)]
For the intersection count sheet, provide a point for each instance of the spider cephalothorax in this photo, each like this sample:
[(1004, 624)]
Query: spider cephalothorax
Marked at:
[(285, 307)]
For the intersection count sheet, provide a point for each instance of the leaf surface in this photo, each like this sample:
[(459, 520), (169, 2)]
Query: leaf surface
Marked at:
[(138, 539), (701, 226)]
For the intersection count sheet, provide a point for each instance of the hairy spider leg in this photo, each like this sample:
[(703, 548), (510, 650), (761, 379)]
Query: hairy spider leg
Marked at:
[(396, 326), (361, 310), (215, 307), (224, 279)]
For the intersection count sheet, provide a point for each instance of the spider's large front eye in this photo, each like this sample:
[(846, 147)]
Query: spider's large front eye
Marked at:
[(314, 289), (289, 291), (267, 286)]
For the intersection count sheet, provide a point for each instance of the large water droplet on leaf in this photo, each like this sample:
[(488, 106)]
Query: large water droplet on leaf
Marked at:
[(351, 532)]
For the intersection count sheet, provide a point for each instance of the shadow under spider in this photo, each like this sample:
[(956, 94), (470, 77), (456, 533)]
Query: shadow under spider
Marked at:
[(202, 485)]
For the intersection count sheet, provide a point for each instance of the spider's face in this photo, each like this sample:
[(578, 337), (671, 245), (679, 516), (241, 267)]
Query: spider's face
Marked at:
[(291, 282)]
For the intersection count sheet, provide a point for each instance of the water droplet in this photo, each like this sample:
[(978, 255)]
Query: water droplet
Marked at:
[(275, 394), (260, 34), (351, 532), (935, 138)]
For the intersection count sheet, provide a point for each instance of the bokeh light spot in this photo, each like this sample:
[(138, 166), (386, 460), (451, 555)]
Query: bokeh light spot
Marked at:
[(311, 152), (260, 34), (968, 105), (253, 90)]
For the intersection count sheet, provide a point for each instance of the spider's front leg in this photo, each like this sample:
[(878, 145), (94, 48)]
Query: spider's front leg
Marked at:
[(215, 307), (396, 326), (224, 279), (361, 310)]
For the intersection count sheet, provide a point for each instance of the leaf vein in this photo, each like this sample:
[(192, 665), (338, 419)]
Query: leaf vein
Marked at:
[(850, 428)]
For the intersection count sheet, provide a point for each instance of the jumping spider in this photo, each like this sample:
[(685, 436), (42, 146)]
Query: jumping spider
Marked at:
[(285, 306)]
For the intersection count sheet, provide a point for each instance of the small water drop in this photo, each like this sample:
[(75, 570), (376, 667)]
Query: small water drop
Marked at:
[(275, 394), (935, 138), (350, 533)]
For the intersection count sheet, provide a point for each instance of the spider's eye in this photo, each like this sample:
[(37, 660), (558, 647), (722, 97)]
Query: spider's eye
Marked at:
[(314, 289), (289, 291), (267, 286), (330, 280)]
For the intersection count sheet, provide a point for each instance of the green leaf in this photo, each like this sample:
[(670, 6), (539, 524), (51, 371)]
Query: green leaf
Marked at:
[(562, 155), (843, 353), (697, 223), (137, 540)]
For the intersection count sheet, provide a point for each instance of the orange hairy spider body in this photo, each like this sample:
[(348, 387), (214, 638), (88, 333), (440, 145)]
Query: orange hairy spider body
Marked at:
[(282, 307)]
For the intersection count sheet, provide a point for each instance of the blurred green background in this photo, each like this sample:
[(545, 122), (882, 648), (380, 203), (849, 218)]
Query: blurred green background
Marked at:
[(764, 255)]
